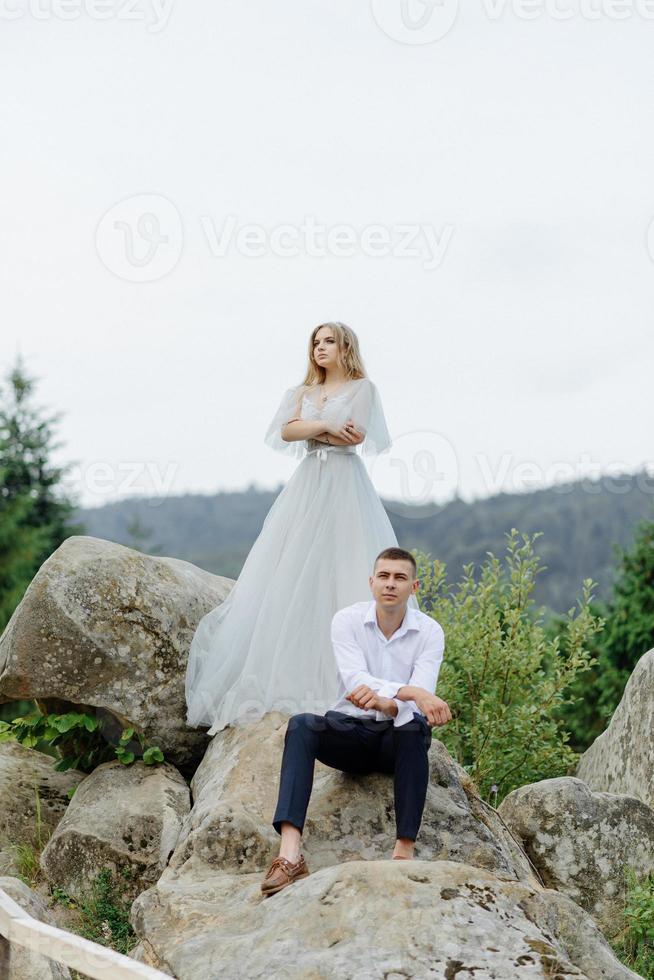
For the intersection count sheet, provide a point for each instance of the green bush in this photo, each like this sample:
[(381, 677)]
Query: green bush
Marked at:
[(502, 675), (635, 945), (104, 914), (79, 740)]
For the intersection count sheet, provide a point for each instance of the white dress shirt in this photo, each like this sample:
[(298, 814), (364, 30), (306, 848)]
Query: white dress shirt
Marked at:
[(412, 655)]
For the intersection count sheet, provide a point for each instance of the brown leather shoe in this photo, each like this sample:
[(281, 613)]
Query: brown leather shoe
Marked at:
[(282, 873)]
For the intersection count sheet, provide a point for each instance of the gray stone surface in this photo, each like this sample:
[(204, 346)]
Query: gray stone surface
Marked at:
[(580, 841), (104, 626), (126, 818), (29, 781), (621, 759), (349, 817), (369, 920)]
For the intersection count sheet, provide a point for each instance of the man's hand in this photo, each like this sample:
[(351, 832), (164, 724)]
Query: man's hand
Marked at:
[(364, 697), (435, 710)]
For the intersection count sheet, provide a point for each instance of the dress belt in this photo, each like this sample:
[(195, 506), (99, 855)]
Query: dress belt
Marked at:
[(323, 451)]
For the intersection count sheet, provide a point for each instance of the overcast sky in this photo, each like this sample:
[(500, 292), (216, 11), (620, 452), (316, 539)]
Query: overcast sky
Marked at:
[(188, 189)]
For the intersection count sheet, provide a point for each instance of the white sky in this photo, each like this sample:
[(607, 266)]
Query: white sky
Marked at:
[(525, 147)]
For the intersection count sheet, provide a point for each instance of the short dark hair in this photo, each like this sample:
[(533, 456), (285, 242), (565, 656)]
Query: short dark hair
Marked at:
[(397, 554)]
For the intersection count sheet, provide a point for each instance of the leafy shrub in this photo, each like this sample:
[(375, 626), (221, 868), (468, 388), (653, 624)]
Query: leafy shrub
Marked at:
[(635, 945), (104, 914), (502, 675), (79, 739)]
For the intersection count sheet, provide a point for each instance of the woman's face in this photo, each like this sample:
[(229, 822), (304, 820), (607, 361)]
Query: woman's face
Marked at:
[(325, 349)]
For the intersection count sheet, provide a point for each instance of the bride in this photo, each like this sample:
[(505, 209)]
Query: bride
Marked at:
[(268, 645)]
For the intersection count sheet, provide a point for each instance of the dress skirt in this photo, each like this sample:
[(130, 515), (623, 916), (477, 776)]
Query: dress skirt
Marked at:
[(268, 645)]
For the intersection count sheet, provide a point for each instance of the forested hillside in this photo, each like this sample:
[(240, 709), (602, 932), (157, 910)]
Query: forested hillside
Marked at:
[(581, 522)]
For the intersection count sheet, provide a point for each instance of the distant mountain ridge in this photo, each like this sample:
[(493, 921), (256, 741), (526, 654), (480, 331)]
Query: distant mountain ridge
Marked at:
[(580, 521)]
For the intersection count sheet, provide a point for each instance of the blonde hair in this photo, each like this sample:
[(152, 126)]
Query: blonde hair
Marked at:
[(348, 349)]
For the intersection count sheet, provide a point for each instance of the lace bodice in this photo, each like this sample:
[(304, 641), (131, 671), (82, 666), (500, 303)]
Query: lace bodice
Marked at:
[(325, 410), (357, 399)]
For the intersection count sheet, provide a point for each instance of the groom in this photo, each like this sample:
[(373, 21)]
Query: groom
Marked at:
[(388, 657)]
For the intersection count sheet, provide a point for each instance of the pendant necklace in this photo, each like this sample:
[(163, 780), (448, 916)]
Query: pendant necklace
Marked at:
[(324, 398)]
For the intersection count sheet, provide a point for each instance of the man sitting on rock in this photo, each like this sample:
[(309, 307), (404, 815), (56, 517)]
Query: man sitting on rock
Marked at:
[(388, 657)]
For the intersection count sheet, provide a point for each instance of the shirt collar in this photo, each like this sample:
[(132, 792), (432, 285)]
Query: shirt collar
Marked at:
[(408, 623)]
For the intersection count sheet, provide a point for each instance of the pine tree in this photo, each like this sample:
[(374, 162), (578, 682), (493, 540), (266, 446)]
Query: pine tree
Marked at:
[(628, 634), (21, 544), (33, 516), (629, 631)]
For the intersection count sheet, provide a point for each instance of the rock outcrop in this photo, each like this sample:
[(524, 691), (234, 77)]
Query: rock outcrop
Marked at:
[(349, 817), (581, 841), (370, 919), (31, 789), (621, 759), (469, 902), (126, 818), (505, 894), (105, 627)]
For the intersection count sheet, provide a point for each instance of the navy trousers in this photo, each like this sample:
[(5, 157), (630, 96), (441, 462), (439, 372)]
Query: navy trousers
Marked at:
[(355, 745)]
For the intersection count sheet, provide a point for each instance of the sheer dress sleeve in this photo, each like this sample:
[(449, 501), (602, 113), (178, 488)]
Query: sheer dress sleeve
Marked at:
[(289, 408), (363, 405)]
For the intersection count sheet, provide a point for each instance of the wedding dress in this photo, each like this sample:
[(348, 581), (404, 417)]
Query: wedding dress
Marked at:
[(268, 645)]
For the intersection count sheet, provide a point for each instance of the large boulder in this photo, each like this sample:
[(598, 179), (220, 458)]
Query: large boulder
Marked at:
[(349, 817), (581, 841), (621, 759), (126, 818), (102, 626), (369, 919), (31, 790), (18, 962)]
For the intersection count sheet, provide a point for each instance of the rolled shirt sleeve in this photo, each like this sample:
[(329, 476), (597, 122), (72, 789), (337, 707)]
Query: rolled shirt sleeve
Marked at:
[(405, 711), (424, 674)]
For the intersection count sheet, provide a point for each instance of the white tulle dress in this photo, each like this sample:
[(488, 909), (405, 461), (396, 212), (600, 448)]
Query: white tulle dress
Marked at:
[(268, 645)]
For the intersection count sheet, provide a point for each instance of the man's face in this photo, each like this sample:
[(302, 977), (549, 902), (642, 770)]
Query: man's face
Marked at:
[(392, 582)]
